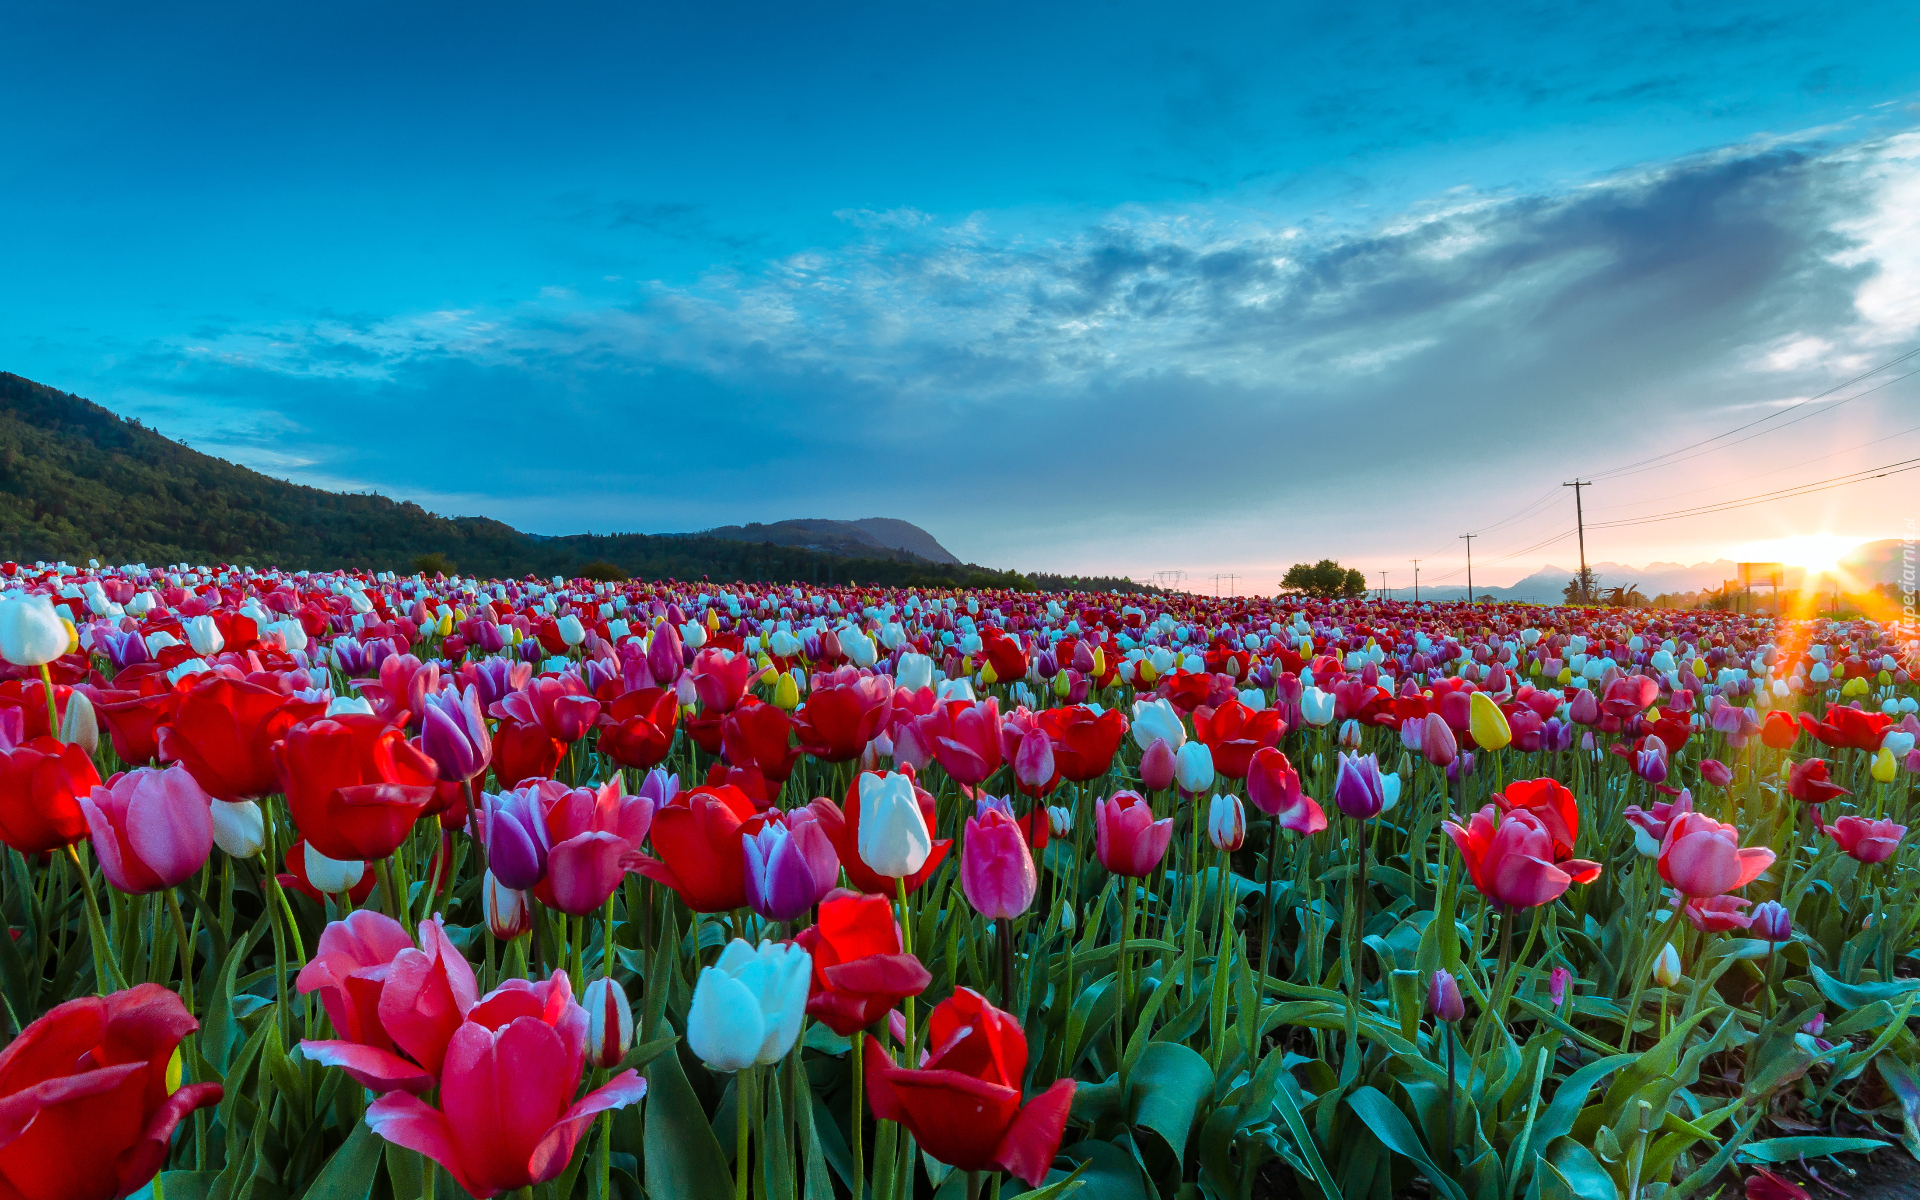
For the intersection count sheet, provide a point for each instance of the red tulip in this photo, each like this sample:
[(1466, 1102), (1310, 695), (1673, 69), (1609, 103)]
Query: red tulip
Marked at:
[(1511, 860), (755, 734), (1866, 840), (1807, 781), (859, 970), (85, 1110), (1630, 696), (842, 826), (507, 1116), (354, 784), (522, 752), (1127, 838), (636, 730), (1849, 728), (133, 721), (41, 783), (1779, 731), (1703, 857), (1083, 744), (963, 1104), (1234, 733), (697, 836), (1553, 803), (394, 1006), (840, 718), (224, 731), (1274, 787)]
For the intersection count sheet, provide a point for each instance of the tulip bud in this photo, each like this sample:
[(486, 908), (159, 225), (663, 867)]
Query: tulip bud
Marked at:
[(609, 1024), (1443, 997), (80, 727), (1882, 770), (1772, 921), (1067, 919), (1351, 734), (1715, 772), (893, 832), (330, 875), (1060, 818), (506, 910), (1193, 768), (1033, 763), (1226, 823), (239, 828), (1487, 723), (204, 635), (786, 693), (1666, 968), (1557, 983), (1156, 767)]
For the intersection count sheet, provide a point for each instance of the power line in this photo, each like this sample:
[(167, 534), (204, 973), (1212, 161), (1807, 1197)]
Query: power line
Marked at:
[(1633, 467), (1762, 474), (1787, 493)]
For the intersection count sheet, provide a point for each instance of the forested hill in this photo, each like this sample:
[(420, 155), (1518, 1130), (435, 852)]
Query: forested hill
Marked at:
[(79, 482)]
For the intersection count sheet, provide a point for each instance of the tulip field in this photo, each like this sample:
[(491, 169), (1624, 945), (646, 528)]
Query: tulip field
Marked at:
[(352, 885)]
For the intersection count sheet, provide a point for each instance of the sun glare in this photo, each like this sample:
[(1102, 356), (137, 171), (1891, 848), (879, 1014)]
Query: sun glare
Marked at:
[(1815, 553)]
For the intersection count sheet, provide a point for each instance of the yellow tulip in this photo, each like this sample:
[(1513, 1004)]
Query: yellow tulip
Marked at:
[(1565, 677), (786, 693), (1487, 723), (1144, 673), (1060, 687), (1857, 686), (1883, 766), (1699, 668), (1099, 663), (966, 665), (989, 675), (446, 625), (175, 1072), (713, 618)]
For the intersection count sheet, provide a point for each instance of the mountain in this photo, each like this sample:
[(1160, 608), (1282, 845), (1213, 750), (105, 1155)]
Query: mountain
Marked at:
[(1867, 564), (79, 482), (872, 536)]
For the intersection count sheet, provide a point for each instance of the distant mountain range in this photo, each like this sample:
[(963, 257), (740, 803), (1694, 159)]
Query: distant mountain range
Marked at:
[(1871, 563), (862, 538), (79, 482)]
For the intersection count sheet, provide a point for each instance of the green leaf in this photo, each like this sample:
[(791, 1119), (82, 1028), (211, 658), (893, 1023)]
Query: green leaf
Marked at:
[(181, 1185), (406, 1171), (1572, 1095), (349, 1173), (1108, 1171), (1393, 1129), (1859, 995), (1574, 1174), (683, 1158), (1169, 1083), (1905, 1085), (1296, 1123), (1056, 1189), (1788, 1149)]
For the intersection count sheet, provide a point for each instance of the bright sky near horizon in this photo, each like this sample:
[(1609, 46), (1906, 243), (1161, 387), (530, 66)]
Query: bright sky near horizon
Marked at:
[(1107, 287)]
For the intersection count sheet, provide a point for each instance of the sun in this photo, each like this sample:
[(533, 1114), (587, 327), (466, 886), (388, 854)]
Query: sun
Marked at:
[(1815, 553)]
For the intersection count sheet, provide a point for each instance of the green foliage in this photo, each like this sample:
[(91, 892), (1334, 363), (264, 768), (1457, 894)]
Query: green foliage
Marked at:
[(1325, 580)]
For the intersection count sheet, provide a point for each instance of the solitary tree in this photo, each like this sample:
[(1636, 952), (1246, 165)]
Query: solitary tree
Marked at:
[(1324, 580), (1583, 587)]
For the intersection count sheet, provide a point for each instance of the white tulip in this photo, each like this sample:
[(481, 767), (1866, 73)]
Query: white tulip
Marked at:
[(894, 840), (331, 875), (31, 633), (239, 828), (747, 1007), (1158, 721)]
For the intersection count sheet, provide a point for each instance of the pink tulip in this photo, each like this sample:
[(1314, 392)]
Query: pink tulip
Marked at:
[(1437, 743), (394, 1006), (1274, 787), (593, 833), (721, 679), (1702, 857), (1717, 914), (1126, 837), (507, 1117), (1156, 766), (996, 867), (1715, 772), (1866, 840), (1033, 763), (152, 829), (965, 738), (1511, 858)]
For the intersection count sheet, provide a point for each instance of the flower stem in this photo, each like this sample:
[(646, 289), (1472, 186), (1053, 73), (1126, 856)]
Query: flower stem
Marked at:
[(53, 714), (106, 971), (859, 1114)]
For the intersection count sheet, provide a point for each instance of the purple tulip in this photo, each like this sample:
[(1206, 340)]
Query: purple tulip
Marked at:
[(1772, 921), (659, 786), (1443, 997), (790, 866), (1437, 743), (123, 649), (1557, 983), (1557, 735), (453, 732), (515, 834), (1461, 767), (1650, 761), (1358, 789)]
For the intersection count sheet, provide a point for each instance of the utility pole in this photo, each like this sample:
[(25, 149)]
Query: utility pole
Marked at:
[(1416, 579), (1580, 522), (1469, 538), (1383, 585)]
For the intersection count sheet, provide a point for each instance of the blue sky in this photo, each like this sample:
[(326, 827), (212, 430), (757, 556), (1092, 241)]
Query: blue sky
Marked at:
[(1099, 287)]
